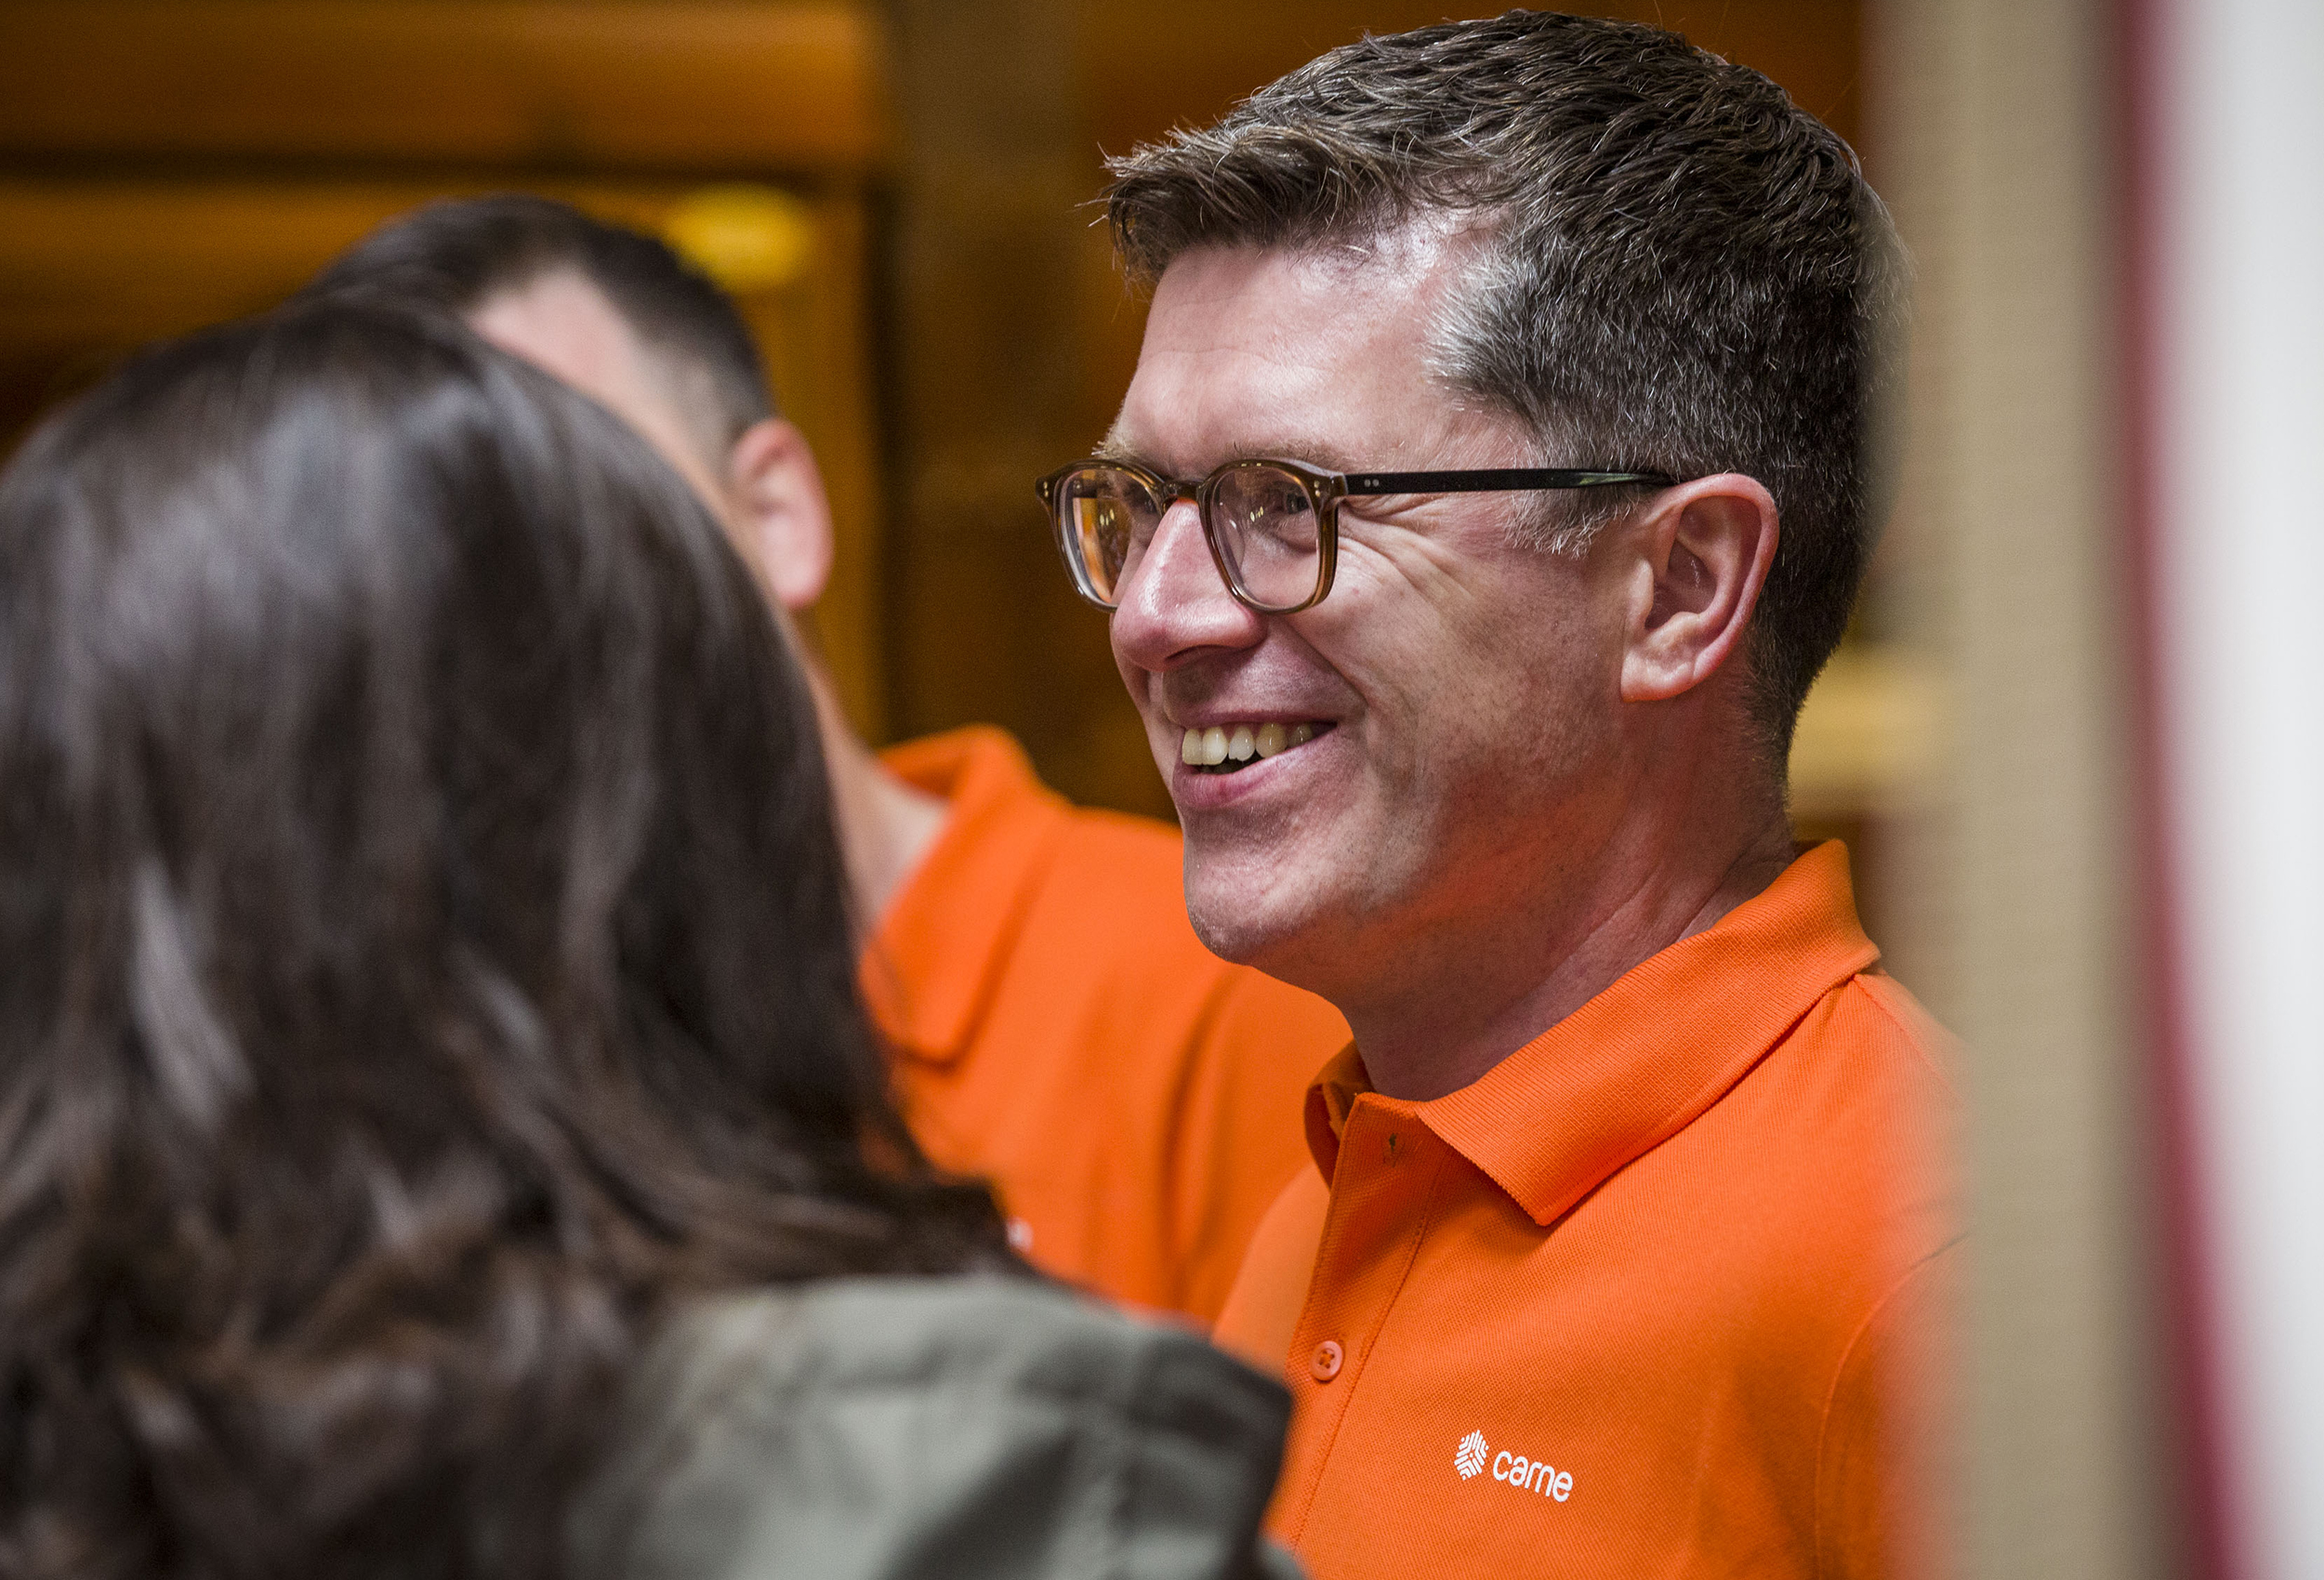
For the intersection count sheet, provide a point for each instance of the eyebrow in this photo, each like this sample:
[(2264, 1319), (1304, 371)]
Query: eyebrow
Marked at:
[(1314, 451)]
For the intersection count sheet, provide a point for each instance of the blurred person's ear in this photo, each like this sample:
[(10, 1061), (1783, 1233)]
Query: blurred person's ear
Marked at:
[(774, 492)]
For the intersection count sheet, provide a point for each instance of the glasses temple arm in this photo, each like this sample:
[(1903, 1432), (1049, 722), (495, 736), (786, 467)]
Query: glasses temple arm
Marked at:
[(1494, 481)]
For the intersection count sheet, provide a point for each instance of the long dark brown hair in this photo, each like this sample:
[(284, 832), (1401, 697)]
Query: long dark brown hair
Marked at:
[(425, 958)]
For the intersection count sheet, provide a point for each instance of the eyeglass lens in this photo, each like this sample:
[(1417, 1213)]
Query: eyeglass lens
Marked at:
[(1267, 533), (1108, 517), (1260, 518)]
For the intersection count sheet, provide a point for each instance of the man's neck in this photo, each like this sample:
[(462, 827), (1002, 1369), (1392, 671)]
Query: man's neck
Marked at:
[(1484, 997), (885, 826)]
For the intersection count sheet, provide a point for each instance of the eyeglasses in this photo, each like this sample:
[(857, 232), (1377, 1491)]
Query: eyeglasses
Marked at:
[(1273, 526)]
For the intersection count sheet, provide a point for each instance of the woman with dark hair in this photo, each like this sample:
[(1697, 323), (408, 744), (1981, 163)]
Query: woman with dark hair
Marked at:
[(437, 1135)]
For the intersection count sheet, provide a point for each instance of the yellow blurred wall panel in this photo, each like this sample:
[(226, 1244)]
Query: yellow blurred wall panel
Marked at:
[(678, 84)]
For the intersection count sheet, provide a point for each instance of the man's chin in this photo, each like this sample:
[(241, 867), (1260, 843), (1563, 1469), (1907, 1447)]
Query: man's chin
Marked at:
[(1228, 938), (1254, 933)]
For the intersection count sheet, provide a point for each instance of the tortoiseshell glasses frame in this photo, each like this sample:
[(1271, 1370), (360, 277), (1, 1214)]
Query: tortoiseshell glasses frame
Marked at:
[(1273, 526)]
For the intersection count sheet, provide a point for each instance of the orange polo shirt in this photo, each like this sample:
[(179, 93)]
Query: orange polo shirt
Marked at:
[(1647, 1299), (1056, 1028)]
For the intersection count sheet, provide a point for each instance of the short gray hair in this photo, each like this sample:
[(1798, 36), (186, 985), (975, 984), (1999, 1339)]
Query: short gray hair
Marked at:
[(1680, 270)]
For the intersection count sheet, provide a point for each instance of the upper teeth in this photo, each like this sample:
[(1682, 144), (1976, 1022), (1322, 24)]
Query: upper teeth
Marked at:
[(1240, 742)]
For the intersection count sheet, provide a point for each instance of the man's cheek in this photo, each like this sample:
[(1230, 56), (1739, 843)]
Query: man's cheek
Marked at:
[(1162, 738)]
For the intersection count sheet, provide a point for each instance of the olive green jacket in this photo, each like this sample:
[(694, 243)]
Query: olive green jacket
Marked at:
[(911, 1429)]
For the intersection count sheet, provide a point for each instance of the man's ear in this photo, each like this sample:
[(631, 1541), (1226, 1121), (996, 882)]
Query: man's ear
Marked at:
[(1705, 549), (775, 493)]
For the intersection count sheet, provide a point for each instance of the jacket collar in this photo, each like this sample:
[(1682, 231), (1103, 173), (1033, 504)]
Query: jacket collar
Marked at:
[(931, 964), (1642, 1060)]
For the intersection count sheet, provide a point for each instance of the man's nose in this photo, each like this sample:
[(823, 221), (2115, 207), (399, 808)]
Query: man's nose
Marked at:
[(1173, 603)]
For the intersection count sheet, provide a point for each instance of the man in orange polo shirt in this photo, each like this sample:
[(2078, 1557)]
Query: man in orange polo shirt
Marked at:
[(1492, 485), (1056, 1027)]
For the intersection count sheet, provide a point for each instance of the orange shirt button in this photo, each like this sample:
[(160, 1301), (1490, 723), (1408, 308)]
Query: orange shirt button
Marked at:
[(1324, 1365)]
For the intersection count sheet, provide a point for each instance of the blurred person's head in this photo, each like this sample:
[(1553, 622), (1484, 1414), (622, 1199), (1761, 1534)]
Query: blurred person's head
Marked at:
[(427, 957), (1534, 241), (620, 316)]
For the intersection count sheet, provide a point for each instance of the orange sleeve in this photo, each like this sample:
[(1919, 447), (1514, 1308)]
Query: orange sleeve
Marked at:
[(1263, 1309), (1881, 1465)]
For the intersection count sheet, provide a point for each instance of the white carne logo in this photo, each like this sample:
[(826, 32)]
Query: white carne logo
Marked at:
[(1470, 1458), (1532, 1475)]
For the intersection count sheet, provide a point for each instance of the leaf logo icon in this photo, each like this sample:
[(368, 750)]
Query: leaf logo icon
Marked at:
[(1469, 1458)]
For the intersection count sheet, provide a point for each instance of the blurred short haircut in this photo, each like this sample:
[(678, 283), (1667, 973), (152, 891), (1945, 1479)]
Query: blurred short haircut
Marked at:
[(1677, 270), (458, 254)]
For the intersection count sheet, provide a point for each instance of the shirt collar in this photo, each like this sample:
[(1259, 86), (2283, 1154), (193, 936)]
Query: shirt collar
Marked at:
[(1644, 1057), (930, 968), (1329, 1099)]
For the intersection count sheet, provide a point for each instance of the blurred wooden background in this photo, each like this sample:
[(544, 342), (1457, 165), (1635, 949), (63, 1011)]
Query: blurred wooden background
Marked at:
[(900, 196), (166, 164), (897, 190)]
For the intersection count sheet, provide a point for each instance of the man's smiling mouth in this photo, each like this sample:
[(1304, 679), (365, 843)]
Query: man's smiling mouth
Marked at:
[(1230, 748)]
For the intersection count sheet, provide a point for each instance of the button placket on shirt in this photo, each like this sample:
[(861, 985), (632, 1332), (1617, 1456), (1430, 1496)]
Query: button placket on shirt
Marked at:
[(1377, 1216)]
